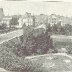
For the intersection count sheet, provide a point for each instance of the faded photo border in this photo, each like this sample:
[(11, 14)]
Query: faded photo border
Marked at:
[(41, 0)]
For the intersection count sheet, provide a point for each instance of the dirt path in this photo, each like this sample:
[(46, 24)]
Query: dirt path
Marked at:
[(8, 36)]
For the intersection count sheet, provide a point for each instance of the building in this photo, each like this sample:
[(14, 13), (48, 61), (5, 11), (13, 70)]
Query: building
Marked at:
[(26, 19), (52, 19), (41, 19), (20, 22), (57, 19), (6, 20)]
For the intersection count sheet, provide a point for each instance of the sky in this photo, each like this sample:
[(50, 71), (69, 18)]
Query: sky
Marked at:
[(38, 7), (38, 0)]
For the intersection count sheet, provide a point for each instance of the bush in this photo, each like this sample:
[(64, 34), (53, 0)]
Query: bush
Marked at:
[(36, 41), (12, 53), (3, 26)]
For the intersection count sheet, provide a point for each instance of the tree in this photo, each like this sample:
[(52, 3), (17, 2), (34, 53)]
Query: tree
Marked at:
[(54, 28), (60, 28), (36, 41), (68, 29), (34, 18), (14, 21), (3, 26), (49, 28)]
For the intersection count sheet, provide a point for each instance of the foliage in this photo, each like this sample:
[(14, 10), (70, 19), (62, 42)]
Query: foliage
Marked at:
[(8, 59), (14, 21), (36, 41), (59, 29), (41, 19), (12, 53), (3, 26), (49, 29)]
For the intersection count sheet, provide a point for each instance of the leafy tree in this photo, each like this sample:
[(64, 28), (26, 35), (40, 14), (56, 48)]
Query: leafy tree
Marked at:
[(54, 28), (49, 29), (26, 32), (3, 26), (34, 18), (60, 29), (36, 41), (14, 21), (68, 29)]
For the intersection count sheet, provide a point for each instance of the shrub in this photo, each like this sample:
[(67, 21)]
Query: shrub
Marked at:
[(36, 41)]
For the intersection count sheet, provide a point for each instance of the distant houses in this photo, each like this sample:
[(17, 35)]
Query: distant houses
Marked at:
[(6, 20), (52, 19), (34, 20), (41, 19), (37, 20), (27, 19), (17, 21), (57, 19), (9, 21)]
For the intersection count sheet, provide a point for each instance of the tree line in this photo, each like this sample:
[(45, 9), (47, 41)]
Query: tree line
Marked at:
[(59, 29)]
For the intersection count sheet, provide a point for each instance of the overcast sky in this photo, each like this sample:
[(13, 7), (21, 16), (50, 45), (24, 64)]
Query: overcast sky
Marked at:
[(20, 7)]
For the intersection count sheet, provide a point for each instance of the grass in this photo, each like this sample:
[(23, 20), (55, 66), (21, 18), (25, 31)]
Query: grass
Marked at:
[(10, 61), (44, 64)]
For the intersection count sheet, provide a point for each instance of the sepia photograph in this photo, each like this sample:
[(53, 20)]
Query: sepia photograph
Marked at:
[(35, 36)]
